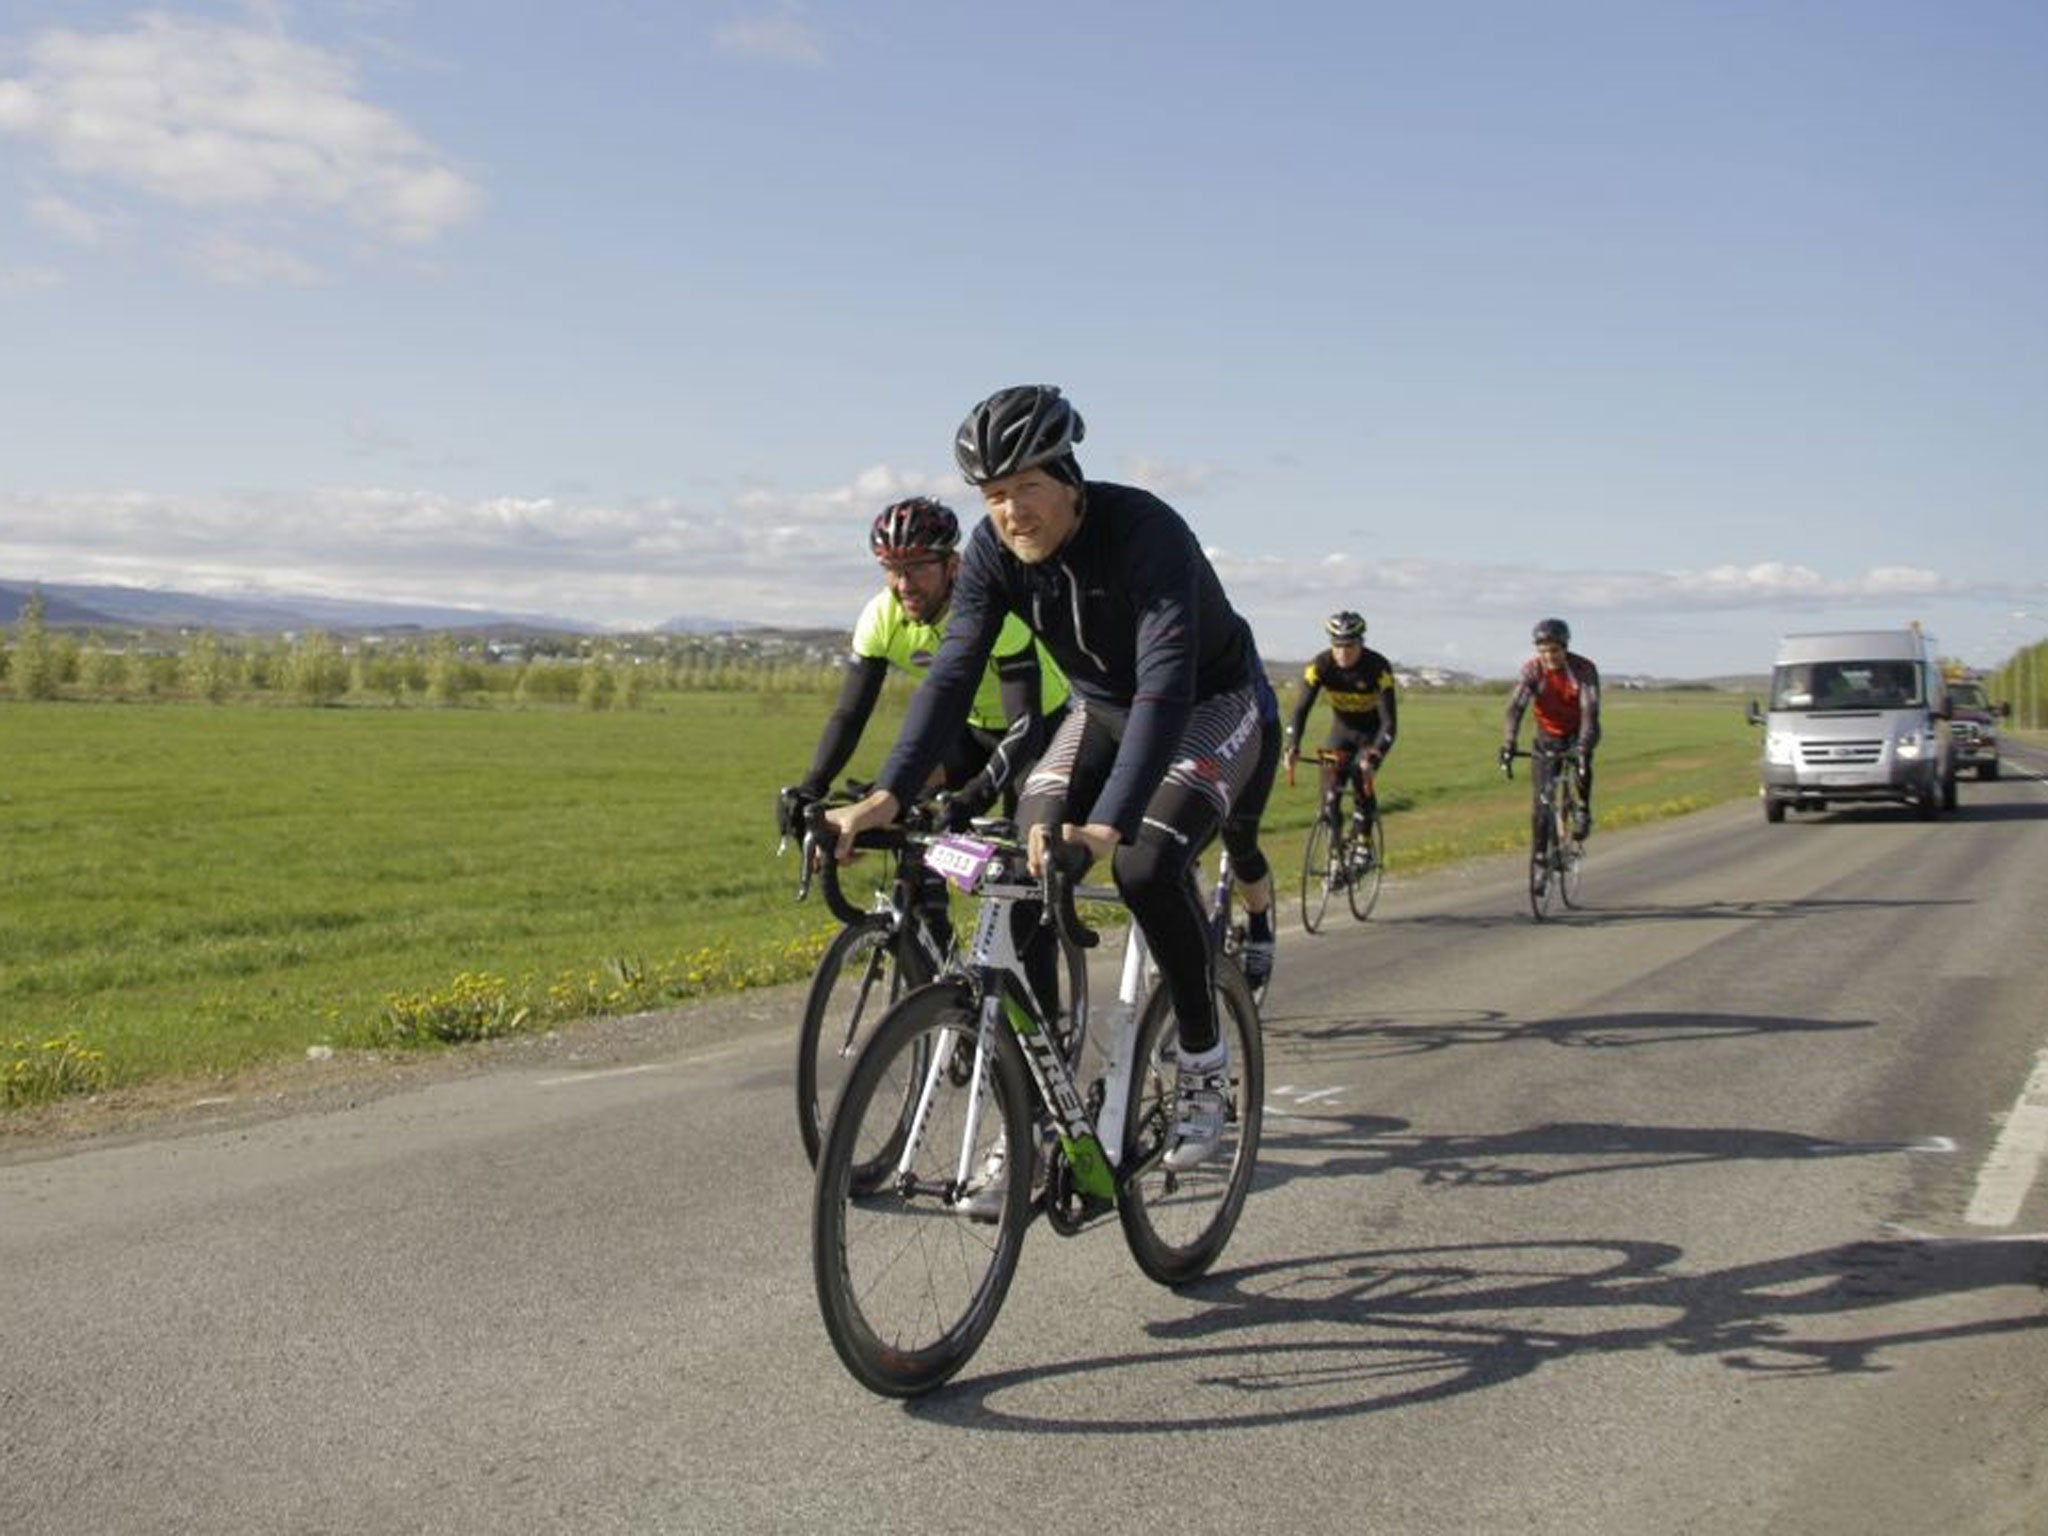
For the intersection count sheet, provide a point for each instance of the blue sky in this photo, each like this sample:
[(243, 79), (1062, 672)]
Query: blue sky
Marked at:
[(1692, 323)]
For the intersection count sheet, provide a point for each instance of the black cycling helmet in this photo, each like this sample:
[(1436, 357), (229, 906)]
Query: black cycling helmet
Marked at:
[(915, 526), (1028, 426), (1552, 629), (1345, 625)]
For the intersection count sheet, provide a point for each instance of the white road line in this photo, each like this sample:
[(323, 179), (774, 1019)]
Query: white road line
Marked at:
[(2015, 1160), (679, 1064), (600, 1076), (1320, 1093)]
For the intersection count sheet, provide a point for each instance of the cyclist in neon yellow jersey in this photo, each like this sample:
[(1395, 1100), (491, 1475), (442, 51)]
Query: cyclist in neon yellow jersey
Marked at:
[(1020, 700)]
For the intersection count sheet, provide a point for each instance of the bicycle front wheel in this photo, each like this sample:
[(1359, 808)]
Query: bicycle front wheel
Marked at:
[(1542, 888), (1177, 1223), (1368, 857), (908, 1282), (1315, 875), (857, 981), (1571, 855)]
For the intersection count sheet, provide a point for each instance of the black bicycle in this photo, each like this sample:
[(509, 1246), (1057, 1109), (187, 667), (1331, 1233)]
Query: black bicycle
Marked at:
[(1343, 851), (903, 941), (1229, 927), (1557, 854)]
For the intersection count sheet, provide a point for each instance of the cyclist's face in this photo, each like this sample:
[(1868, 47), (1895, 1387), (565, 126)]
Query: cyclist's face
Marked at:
[(1034, 513), (1345, 652), (922, 583), (1551, 654)]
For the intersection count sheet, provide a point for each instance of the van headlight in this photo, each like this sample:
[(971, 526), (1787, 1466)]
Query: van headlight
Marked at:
[(1908, 745), (1781, 748)]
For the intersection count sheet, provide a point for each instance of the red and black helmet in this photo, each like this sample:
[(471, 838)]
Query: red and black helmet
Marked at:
[(915, 526)]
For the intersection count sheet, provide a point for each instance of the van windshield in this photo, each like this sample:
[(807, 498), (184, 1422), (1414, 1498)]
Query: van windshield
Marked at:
[(1846, 685)]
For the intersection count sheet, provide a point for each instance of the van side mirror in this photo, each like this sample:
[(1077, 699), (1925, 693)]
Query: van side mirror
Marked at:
[(1755, 715)]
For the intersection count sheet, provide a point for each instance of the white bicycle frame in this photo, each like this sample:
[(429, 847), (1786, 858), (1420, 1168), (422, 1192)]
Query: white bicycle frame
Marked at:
[(993, 954)]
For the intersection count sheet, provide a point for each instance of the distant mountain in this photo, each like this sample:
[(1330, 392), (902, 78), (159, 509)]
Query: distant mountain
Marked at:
[(82, 606), (694, 624)]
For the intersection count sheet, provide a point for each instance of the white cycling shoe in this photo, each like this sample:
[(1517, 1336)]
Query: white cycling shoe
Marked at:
[(1201, 1093)]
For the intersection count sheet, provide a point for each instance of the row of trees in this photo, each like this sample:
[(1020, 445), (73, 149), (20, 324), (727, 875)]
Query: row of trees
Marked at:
[(2023, 683), (319, 669)]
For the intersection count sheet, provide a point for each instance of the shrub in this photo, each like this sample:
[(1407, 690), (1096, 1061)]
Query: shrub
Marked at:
[(33, 1072), (475, 1006)]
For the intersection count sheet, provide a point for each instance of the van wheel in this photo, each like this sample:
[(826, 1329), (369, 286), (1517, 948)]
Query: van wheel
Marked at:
[(1774, 809), (1928, 803), (1986, 772), (1948, 793)]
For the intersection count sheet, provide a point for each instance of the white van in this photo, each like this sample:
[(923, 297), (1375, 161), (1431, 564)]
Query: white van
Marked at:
[(1856, 715)]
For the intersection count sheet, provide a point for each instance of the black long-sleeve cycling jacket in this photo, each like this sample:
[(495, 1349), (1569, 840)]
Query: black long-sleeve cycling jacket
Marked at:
[(1132, 611)]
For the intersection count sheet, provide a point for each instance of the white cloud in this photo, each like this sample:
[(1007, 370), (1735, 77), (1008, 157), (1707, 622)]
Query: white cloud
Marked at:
[(222, 119), (367, 437), (781, 36), (1169, 480), (29, 279), (800, 557), (67, 219), (240, 263)]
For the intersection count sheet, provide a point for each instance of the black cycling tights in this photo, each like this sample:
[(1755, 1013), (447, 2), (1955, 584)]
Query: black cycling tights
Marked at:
[(1155, 877)]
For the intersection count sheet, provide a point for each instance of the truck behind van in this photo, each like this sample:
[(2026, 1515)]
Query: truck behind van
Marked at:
[(1974, 723), (1856, 716)]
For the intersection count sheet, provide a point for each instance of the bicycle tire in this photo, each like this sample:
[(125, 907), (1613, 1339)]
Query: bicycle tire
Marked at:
[(1541, 893), (1363, 888), (1315, 875), (859, 978), (1176, 1224), (909, 1286), (1571, 852)]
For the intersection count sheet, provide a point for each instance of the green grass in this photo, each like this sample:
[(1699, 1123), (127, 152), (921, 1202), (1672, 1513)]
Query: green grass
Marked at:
[(192, 889)]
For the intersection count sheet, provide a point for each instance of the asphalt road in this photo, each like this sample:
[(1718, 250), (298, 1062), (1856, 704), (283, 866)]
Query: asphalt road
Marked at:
[(1716, 1208)]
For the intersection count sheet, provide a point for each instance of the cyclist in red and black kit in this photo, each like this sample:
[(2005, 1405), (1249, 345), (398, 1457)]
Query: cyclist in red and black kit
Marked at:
[(1363, 719), (1163, 730), (1565, 688)]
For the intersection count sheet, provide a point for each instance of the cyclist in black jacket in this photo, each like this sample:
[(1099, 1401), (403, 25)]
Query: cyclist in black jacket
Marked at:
[(1163, 730)]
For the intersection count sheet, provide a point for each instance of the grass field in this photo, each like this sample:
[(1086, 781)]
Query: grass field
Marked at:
[(188, 889)]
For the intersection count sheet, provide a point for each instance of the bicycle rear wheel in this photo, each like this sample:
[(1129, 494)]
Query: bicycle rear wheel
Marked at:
[(907, 1283), (1368, 861), (857, 981), (1177, 1223), (1315, 875)]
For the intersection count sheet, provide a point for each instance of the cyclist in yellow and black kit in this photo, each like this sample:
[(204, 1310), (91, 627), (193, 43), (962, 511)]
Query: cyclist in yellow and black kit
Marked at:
[(1019, 700), (1360, 683)]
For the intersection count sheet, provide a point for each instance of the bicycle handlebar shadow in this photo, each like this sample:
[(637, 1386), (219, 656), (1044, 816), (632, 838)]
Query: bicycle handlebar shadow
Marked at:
[(1373, 1330), (1375, 1038)]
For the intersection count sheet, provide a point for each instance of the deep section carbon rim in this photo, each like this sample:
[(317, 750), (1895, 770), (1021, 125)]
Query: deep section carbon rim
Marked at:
[(908, 1283)]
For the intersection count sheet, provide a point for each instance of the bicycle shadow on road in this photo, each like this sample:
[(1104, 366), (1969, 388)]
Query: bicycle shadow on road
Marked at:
[(1589, 913), (1371, 1146), (1374, 1038), (1347, 1334)]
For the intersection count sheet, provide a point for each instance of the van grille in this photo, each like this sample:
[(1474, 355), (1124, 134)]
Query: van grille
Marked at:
[(1836, 754)]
